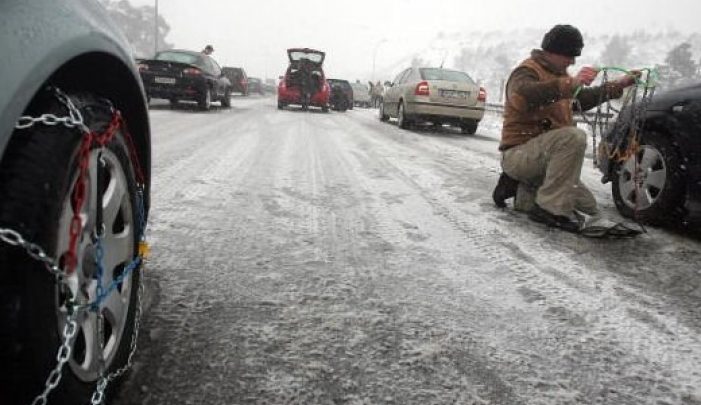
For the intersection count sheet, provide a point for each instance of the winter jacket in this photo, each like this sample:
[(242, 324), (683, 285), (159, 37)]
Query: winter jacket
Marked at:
[(539, 98)]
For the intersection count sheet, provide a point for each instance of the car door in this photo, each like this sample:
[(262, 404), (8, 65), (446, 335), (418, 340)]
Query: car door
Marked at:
[(402, 89), (391, 96)]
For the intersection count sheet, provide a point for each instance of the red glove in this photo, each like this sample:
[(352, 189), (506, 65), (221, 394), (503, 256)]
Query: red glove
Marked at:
[(586, 75), (630, 78)]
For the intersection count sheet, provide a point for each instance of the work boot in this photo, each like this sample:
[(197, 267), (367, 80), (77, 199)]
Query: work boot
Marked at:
[(563, 222), (506, 188)]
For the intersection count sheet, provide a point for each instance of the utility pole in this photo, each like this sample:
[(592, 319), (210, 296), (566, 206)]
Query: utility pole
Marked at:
[(155, 28)]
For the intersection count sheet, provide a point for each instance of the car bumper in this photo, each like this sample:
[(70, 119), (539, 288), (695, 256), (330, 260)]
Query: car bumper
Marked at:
[(428, 110), (183, 89), (293, 96)]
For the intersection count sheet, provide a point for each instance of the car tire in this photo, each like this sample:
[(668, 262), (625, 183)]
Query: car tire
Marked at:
[(403, 121), (205, 101), (469, 127), (36, 176), (381, 112), (226, 100), (661, 186), (325, 109)]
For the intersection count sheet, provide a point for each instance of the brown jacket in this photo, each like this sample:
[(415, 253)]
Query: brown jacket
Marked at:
[(539, 98)]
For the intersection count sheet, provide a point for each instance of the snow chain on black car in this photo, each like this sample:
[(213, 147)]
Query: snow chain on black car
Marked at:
[(625, 133), (63, 267)]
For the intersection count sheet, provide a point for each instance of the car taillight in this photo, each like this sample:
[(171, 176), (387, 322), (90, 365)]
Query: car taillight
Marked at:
[(142, 67), (422, 89), (192, 71), (483, 95)]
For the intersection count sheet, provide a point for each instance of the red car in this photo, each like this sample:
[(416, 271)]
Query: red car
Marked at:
[(304, 82)]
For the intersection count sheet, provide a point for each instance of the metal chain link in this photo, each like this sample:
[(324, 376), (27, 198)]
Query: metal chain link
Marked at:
[(14, 238), (35, 251), (64, 353), (99, 394)]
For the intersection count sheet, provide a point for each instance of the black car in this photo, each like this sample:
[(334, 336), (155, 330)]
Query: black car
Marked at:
[(662, 180), (185, 75), (238, 78), (341, 94)]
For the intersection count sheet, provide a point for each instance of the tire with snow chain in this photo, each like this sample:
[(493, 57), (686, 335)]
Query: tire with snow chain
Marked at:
[(205, 101), (226, 99), (381, 112), (37, 176), (403, 121), (656, 169)]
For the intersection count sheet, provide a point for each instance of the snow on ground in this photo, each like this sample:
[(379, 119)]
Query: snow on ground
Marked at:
[(310, 258)]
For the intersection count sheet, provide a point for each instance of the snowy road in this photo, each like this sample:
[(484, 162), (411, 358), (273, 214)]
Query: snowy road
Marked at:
[(310, 258)]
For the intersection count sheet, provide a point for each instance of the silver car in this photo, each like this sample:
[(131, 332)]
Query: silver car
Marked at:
[(361, 95), (437, 95), (72, 207)]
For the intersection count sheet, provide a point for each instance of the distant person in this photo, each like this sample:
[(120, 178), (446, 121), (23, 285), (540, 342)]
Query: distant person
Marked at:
[(376, 93), (208, 50)]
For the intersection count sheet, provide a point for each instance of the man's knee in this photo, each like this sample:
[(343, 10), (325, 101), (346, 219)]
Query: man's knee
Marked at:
[(575, 138)]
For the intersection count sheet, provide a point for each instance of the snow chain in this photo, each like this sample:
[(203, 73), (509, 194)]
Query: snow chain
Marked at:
[(90, 139), (627, 130)]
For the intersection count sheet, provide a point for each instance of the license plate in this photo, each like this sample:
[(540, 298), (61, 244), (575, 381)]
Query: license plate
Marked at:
[(454, 94), (164, 80)]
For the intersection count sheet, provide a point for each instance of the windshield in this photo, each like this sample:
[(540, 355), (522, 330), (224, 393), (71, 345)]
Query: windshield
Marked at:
[(444, 74), (180, 57), (314, 57)]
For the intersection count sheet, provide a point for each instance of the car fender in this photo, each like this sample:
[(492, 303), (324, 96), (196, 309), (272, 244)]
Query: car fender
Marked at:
[(42, 36), (65, 41)]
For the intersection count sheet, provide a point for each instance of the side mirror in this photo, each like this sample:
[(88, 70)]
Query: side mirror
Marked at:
[(281, 77)]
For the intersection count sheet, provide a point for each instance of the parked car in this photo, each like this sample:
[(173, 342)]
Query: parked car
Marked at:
[(361, 95), (437, 95), (341, 94), (238, 78), (304, 82), (185, 75), (255, 85), (662, 181), (74, 60)]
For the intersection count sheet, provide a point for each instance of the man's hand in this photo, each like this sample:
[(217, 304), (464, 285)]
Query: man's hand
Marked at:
[(629, 79), (586, 75)]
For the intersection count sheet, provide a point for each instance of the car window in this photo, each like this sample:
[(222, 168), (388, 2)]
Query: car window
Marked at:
[(216, 70), (399, 77), (404, 76), (444, 74), (180, 57), (312, 56)]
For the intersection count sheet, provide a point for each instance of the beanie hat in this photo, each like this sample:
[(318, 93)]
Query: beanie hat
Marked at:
[(563, 40)]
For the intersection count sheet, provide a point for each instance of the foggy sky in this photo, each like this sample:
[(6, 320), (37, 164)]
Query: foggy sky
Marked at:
[(255, 34)]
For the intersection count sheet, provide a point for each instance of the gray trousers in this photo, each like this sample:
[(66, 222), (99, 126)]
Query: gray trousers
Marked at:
[(548, 169)]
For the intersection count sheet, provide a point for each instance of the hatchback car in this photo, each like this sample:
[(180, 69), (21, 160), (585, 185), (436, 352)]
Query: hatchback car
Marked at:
[(238, 78), (341, 94), (304, 82), (440, 96), (68, 198), (661, 182), (185, 75)]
